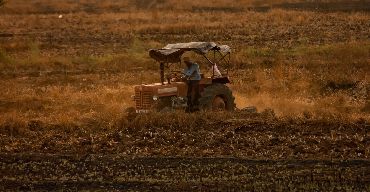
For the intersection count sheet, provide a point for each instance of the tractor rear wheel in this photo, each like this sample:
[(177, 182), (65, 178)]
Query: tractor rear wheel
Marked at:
[(217, 97)]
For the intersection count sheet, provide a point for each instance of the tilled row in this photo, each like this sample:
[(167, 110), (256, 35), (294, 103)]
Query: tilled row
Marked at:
[(202, 134), (24, 171)]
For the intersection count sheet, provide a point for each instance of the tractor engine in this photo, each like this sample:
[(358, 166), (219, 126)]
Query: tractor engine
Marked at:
[(179, 102), (143, 100), (157, 96)]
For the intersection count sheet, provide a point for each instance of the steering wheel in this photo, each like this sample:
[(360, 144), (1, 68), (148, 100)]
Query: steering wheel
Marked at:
[(176, 76)]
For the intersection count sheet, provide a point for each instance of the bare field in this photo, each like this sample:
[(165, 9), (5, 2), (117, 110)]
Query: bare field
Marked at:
[(67, 71), (207, 134), (119, 173)]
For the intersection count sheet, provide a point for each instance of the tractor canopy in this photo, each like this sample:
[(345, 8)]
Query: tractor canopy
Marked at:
[(172, 53)]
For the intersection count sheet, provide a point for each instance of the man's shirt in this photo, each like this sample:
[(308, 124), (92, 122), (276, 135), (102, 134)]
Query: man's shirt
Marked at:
[(193, 72)]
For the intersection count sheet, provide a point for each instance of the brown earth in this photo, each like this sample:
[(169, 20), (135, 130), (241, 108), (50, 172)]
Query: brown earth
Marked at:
[(80, 32), (207, 134), (187, 152), (40, 172), (67, 71)]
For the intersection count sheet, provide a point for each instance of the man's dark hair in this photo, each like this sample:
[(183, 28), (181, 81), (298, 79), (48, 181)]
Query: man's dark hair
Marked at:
[(2, 2)]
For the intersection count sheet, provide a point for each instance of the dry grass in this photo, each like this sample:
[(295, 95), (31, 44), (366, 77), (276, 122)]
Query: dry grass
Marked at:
[(77, 72), (67, 71)]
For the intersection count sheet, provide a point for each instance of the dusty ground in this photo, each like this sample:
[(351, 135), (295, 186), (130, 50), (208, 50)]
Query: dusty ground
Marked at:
[(68, 68), (207, 134), (164, 152), (116, 173)]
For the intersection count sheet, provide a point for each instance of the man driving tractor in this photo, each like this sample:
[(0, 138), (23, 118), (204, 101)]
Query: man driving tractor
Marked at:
[(187, 89), (192, 74)]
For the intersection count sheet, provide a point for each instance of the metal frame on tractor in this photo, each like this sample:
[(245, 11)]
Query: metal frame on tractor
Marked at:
[(172, 93), (172, 53)]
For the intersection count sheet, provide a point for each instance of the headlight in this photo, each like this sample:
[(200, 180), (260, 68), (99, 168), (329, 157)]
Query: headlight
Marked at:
[(155, 98)]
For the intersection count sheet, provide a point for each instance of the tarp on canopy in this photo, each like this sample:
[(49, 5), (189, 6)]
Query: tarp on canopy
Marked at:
[(172, 53)]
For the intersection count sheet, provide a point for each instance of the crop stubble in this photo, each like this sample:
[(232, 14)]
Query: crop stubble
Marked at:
[(62, 125)]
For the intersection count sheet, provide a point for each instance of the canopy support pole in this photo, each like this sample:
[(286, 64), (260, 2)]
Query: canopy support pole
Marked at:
[(161, 66), (213, 66), (208, 60)]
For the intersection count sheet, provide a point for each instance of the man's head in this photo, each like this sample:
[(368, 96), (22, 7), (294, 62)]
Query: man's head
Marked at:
[(187, 61)]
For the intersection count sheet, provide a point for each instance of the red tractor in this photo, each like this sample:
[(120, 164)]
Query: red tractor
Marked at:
[(171, 92)]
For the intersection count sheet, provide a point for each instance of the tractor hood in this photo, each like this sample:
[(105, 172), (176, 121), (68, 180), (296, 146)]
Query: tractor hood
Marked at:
[(158, 89), (172, 53)]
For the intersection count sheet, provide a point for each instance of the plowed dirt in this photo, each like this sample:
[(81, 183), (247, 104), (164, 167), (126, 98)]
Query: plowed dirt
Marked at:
[(37, 172), (207, 134)]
